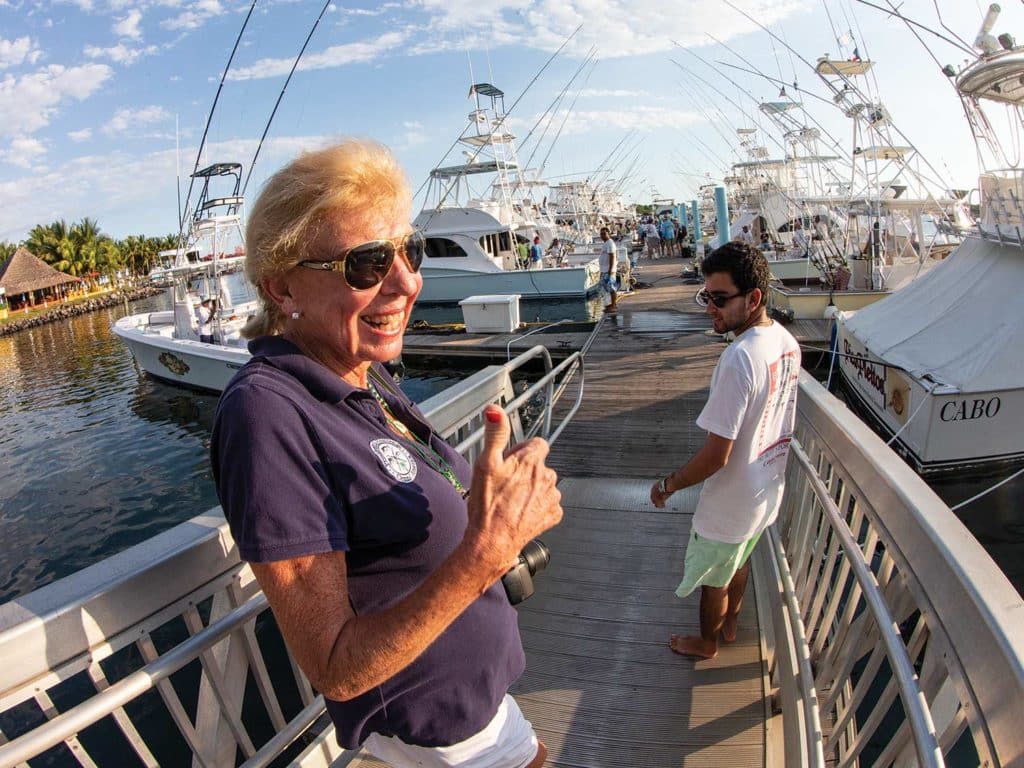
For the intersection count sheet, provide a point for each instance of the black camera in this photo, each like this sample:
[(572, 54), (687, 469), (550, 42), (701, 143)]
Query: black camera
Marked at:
[(518, 580)]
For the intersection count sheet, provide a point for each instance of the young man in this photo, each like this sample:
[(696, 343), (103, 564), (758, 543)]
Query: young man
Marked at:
[(536, 254), (609, 268), (749, 419)]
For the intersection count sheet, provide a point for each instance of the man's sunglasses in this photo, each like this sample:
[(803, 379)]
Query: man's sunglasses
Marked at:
[(367, 264), (705, 297)]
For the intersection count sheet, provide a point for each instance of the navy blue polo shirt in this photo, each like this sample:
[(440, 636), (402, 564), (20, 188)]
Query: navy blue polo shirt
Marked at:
[(305, 463)]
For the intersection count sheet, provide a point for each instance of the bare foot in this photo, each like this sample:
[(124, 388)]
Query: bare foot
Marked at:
[(693, 646), (729, 628)]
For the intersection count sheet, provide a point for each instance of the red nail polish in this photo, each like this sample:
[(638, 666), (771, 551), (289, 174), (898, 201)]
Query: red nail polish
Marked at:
[(494, 416)]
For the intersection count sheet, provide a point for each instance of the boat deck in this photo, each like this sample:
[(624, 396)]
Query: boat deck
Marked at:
[(601, 686)]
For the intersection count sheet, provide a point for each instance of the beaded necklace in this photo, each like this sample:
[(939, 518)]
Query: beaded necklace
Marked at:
[(432, 458)]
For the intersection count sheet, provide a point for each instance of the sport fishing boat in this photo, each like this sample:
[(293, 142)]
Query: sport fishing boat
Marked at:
[(166, 344), (473, 240), (939, 366)]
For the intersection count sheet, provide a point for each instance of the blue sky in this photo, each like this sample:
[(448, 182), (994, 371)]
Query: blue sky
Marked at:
[(91, 90)]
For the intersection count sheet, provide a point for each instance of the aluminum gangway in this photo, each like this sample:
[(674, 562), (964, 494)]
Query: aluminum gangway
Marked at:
[(884, 633)]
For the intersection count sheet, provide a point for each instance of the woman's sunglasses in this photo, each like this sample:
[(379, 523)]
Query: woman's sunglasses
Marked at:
[(367, 264), (705, 297)]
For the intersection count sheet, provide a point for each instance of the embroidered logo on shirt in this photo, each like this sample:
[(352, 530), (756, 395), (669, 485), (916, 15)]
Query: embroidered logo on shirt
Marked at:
[(395, 459)]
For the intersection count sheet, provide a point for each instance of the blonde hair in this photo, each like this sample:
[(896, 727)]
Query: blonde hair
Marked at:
[(351, 180)]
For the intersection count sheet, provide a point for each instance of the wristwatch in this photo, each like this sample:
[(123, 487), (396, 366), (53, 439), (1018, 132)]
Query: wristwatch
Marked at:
[(663, 487)]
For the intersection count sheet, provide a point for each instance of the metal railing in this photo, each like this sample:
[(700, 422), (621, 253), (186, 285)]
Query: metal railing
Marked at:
[(891, 637), (897, 641), (175, 631)]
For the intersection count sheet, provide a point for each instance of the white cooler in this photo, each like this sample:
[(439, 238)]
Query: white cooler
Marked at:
[(491, 314)]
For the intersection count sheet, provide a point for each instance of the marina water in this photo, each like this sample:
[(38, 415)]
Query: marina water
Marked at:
[(95, 458)]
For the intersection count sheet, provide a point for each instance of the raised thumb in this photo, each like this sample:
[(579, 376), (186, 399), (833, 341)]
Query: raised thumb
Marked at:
[(496, 434)]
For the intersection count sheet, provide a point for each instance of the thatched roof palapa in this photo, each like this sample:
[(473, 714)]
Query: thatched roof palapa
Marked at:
[(24, 273)]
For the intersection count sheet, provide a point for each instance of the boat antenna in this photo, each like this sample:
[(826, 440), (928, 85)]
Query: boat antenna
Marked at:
[(295, 64), (177, 163), (209, 119)]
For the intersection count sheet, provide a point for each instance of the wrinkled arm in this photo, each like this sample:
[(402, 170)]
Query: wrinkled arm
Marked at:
[(345, 655)]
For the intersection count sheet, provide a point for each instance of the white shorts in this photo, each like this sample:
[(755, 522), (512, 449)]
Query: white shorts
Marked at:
[(508, 741)]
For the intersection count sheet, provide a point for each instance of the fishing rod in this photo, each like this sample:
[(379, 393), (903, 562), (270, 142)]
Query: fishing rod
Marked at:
[(554, 105), (209, 119), (782, 192), (848, 86), (552, 110), (565, 119), (280, 96), (836, 144)]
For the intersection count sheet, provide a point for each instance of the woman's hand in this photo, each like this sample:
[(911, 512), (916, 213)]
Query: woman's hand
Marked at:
[(512, 499)]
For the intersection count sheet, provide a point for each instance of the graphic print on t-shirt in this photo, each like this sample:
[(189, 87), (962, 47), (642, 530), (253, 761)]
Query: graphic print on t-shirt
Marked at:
[(783, 379), (395, 459)]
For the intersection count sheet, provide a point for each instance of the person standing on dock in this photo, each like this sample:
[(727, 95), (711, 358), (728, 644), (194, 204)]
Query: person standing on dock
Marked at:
[(749, 418), (609, 268), (536, 254), (667, 232), (380, 550)]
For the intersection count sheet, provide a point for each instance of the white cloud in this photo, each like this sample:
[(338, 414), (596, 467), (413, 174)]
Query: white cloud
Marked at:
[(606, 93), (335, 56), (643, 118), (79, 136), (14, 53), (23, 152), (128, 193), (29, 102), (617, 27), (128, 118), (197, 15), (120, 53), (129, 25)]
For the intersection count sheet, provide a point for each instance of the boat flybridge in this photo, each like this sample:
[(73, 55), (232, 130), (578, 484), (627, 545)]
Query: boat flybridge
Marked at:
[(473, 239), (939, 366), (166, 344)]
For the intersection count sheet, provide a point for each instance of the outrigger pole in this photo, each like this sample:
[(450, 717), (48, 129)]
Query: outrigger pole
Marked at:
[(209, 118), (280, 96)]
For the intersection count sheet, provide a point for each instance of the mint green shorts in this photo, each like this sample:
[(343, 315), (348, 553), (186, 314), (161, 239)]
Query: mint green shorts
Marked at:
[(712, 563)]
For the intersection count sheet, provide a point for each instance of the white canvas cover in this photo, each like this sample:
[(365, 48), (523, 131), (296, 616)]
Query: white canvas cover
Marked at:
[(959, 325)]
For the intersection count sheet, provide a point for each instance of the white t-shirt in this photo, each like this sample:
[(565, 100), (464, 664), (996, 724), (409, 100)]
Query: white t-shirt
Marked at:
[(752, 402), (609, 256)]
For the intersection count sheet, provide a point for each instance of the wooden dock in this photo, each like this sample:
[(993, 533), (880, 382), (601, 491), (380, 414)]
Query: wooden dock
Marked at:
[(601, 686)]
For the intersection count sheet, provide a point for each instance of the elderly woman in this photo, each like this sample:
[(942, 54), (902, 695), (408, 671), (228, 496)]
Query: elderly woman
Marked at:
[(379, 550)]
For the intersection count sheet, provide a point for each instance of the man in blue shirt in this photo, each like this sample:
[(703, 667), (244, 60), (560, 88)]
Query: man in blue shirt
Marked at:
[(667, 231), (536, 254)]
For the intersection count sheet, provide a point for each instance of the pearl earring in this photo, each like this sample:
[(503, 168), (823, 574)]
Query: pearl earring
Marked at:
[(296, 315)]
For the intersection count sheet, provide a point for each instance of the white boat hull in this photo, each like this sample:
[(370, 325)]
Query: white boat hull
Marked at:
[(811, 304), (179, 361), (946, 431), (790, 271), (444, 286)]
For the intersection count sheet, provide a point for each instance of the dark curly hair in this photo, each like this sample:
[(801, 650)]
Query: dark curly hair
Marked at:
[(745, 264)]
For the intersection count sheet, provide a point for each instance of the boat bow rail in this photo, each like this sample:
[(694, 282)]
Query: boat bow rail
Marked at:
[(888, 631)]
